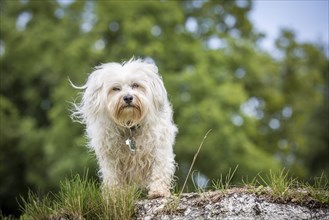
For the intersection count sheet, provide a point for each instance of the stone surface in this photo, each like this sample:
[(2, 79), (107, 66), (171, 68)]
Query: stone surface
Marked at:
[(232, 204)]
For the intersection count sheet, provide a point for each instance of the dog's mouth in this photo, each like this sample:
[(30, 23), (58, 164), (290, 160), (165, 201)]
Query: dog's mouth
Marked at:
[(127, 106)]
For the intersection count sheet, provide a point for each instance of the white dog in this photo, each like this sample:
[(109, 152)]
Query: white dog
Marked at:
[(129, 125)]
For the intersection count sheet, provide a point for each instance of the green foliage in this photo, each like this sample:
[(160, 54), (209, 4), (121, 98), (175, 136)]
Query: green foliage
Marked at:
[(266, 112)]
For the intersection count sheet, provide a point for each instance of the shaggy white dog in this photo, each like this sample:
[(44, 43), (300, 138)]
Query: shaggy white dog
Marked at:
[(129, 124)]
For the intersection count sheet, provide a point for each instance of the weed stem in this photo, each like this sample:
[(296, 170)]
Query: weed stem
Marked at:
[(194, 159)]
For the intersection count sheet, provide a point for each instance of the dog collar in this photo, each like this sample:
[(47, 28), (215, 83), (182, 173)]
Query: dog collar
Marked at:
[(133, 128)]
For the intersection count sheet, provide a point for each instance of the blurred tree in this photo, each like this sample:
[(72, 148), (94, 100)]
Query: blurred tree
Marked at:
[(303, 135), (265, 112), (12, 161)]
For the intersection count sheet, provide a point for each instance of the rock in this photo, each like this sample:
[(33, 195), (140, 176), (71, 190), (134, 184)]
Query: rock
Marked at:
[(233, 204)]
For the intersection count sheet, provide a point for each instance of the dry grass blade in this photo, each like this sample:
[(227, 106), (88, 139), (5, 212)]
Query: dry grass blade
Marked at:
[(194, 159)]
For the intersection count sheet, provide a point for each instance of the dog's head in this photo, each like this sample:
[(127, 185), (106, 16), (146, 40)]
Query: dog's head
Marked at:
[(126, 93)]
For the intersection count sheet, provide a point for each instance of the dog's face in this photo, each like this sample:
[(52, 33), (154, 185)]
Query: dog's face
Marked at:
[(128, 99), (127, 93)]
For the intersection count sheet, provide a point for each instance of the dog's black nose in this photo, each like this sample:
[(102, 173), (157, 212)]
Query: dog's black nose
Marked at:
[(128, 98)]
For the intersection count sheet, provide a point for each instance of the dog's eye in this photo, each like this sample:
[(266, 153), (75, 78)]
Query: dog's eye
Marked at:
[(134, 86), (116, 89)]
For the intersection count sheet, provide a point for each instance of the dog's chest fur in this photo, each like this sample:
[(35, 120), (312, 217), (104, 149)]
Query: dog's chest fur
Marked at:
[(133, 166)]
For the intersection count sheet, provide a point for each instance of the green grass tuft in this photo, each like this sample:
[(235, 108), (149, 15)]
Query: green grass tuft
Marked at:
[(82, 198), (281, 187), (224, 183), (280, 183), (36, 207), (320, 189), (78, 198)]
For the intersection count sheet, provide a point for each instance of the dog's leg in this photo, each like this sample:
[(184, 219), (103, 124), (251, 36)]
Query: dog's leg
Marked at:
[(162, 175)]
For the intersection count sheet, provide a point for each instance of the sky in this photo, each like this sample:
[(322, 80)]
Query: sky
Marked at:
[(309, 20)]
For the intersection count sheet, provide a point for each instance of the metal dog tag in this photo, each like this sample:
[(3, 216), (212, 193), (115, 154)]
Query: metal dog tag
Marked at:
[(131, 145)]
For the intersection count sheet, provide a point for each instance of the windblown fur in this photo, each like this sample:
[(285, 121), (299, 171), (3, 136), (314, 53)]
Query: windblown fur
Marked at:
[(129, 101)]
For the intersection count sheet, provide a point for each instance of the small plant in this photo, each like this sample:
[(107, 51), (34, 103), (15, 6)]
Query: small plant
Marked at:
[(279, 183), (224, 184), (320, 189), (36, 207), (253, 185)]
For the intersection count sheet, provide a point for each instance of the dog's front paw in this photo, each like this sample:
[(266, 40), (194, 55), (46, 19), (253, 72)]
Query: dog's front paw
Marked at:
[(153, 194)]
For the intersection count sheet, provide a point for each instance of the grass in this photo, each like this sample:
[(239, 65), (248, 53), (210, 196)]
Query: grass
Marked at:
[(279, 183), (193, 161), (320, 189), (224, 184), (36, 207), (81, 198), (283, 188)]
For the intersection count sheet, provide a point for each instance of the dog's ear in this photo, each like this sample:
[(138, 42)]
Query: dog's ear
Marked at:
[(93, 93), (159, 93), (93, 97)]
